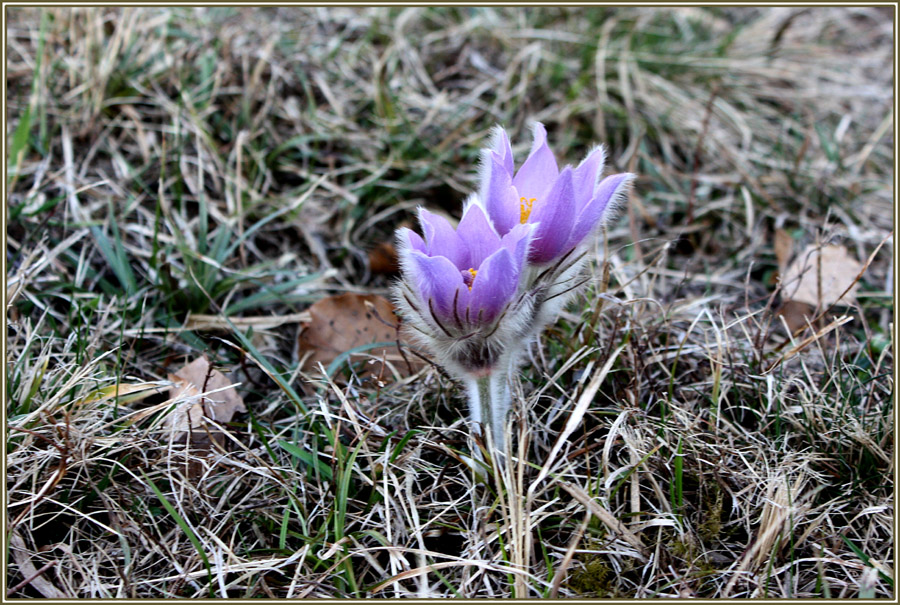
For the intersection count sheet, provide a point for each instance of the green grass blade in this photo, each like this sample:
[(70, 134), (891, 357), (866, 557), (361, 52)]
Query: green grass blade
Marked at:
[(270, 370), (184, 527), (19, 144), (114, 253), (676, 490), (867, 561), (307, 458), (19, 141), (271, 294), (402, 443), (282, 534)]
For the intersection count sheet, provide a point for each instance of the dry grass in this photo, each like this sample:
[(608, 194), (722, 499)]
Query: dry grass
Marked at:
[(673, 438)]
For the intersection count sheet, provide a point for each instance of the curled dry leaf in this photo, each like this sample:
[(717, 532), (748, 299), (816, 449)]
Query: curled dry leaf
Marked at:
[(349, 321), (838, 272), (200, 392)]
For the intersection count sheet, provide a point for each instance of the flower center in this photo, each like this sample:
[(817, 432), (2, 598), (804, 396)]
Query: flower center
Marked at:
[(525, 206), (473, 273)]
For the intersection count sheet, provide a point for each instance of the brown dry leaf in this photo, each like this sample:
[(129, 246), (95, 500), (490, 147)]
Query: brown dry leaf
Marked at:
[(220, 400), (347, 321), (838, 270), (383, 259), (784, 245), (796, 314)]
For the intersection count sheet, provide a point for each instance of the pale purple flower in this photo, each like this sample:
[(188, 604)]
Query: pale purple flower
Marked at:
[(461, 287), (478, 295), (565, 205)]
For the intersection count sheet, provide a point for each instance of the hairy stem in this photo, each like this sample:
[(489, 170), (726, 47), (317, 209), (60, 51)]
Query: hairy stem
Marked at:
[(489, 402)]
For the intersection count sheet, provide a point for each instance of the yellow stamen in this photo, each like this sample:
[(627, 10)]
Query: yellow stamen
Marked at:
[(474, 272), (525, 206)]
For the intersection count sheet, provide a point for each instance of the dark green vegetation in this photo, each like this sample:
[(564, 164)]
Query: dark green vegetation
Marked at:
[(241, 162)]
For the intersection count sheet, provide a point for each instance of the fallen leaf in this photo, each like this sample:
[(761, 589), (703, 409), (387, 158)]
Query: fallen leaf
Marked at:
[(200, 392), (784, 245), (838, 274), (796, 314), (348, 321), (383, 259)]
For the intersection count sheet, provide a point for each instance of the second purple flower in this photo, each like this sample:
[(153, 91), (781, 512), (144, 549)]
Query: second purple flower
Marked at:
[(565, 205)]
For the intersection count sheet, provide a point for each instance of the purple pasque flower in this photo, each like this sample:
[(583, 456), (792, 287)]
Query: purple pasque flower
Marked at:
[(460, 287), (564, 205)]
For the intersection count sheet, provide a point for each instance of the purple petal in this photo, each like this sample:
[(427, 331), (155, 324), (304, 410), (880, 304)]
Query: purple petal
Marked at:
[(539, 171), (477, 236), (441, 238), (493, 287), (463, 299), (411, 240), (500, 145), (499, 197), (584, 179), (595, 212), (437, 280), (517, 242), (555, 216)]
